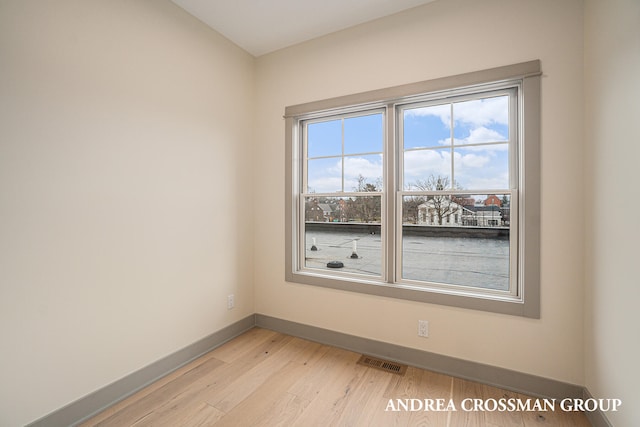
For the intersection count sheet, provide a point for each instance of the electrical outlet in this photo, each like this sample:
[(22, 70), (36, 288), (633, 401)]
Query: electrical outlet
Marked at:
[(230, 302), (423, 328)]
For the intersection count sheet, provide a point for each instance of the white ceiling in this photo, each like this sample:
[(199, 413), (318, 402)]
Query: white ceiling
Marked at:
[(262, 26)]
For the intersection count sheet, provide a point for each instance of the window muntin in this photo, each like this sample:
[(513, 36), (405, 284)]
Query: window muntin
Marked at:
[(468, 133), (523, 170), (343, 160), (342, 149), (342, 236), (448, 148), (454, 242), (450, 239)]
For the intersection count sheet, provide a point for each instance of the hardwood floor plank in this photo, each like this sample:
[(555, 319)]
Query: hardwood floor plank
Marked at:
[(365, 403), (139, 408), (271, 361), (416, 384), (404, 386), (432, 385), (331, 376), (463, 389), (552, 418), (265, 378), (119, 406), (247, 346), (497, 418), (319, 413), (265, 399), (312, 352), (392, 419), (328, 388), (194, 413), (285, 412), (196, 394)]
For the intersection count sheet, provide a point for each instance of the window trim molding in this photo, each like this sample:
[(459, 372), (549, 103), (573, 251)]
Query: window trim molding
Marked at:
[(529, 272)]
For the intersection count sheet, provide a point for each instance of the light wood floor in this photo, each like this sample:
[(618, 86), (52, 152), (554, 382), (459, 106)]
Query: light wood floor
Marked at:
[(265, 378)]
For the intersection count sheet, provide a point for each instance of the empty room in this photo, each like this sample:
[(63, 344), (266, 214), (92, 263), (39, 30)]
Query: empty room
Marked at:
[(408, 212)]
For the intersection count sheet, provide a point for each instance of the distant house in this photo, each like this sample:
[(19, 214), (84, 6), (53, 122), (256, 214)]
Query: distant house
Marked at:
[(465, 201), (319, 212), (482, 216), (314, 213), (440, 212), (327, 211), (492, 200), (449, 213), (491, 212)]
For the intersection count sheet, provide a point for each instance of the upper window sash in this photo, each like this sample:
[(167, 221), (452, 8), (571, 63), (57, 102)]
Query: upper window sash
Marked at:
[(503, 92), (343, 149)]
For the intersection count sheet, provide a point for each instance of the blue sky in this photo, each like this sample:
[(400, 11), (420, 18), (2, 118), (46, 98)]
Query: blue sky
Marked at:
[(363, 138), (362, 134), (427, 131), (427, 140)]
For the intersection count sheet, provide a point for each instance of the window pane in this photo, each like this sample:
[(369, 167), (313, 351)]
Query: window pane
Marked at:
[(363, 173), (324, 175), (481, 120), (363, 134), (457, 240), (324, 138), (346, 230), (427, 126), (420, 165), (482, 167)]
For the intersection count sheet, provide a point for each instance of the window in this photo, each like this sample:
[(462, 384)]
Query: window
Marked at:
[(418, 191), (343, 175)]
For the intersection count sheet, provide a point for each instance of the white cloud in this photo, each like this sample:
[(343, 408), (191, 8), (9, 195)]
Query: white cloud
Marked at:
[(441, 111), (473, 161), (355, 166), (482, 112), (478, 171), (472, 182), (325, 184), (477, 112), (490, 149), (481, 134), (477, 136), (420, 164), (328, 179)]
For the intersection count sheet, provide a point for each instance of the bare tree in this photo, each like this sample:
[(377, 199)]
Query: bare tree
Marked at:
[(364, 208), (440, 205), (410, 206)]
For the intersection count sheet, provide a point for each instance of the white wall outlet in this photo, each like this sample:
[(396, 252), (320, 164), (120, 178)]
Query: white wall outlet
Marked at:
[(230, 302), (423, 328)]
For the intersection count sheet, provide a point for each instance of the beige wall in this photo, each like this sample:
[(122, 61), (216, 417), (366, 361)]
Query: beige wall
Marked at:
[(612, 91), (124, 151), (127, 199), (440, 39)]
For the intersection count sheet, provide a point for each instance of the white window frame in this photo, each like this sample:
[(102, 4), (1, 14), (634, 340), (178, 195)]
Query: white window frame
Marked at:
[(302, 194), (524, 300), (509, 88)]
